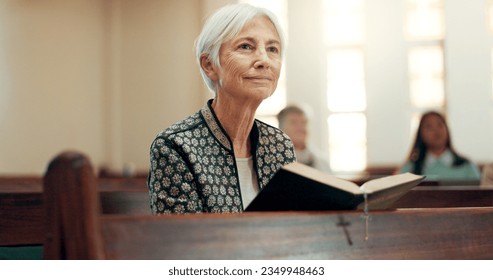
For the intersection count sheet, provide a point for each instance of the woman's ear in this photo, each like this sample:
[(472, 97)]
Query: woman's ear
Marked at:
[(208, 67)]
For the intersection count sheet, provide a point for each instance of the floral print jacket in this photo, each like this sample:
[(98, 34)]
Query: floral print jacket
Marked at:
[(193, 167)]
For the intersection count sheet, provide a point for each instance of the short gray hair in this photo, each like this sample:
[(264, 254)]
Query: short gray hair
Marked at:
[(224, 25)]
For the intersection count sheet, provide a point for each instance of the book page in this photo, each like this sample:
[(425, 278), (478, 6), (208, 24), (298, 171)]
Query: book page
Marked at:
[(322, 177), (390, 181)]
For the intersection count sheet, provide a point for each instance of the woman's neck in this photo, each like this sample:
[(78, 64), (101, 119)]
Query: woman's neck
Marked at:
[(437, 151), (237, 119)]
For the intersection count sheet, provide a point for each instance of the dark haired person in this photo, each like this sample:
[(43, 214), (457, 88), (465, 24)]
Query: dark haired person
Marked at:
[(433, 155)]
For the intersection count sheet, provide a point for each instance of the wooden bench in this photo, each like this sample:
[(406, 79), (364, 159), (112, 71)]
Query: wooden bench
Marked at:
[(446, 196), (79, 231), (22, 212)]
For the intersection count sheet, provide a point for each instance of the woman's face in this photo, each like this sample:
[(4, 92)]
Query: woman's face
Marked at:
[(250, 62), (434, 132)]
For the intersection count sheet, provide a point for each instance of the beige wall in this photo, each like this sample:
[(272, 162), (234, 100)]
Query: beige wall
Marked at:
[(100, 76), (160, 80), (51, 82), (105, 76)]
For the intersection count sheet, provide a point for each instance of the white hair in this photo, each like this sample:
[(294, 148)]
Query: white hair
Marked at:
[(225, 24)]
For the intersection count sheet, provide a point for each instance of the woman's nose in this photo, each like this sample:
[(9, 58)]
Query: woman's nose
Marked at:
[(262, 59)]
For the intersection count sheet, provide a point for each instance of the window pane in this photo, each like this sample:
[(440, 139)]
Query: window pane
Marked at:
[(424, 19), (345, 81), (427, 93), (347, 141), (344, 22), (426, 72), (427, 61)]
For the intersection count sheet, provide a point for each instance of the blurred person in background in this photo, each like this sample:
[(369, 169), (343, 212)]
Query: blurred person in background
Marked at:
[(294, 122), (433, 155)]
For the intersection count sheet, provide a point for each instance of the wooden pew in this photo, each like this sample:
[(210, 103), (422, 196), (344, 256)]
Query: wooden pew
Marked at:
[(443, 193), (446, 196), (22, 212), (407, 234), (79, 231)]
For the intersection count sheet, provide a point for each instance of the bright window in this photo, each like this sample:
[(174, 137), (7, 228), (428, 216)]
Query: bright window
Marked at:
[(346, 91), (425, 29), (347, 140), (344, 22), (346, 81), (424, 20), (426, 72)]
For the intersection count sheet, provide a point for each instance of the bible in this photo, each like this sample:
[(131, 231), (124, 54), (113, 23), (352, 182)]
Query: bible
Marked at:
[(298, 187)]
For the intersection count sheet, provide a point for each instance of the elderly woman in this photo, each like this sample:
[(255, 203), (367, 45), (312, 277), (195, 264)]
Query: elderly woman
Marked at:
[(217, 159)]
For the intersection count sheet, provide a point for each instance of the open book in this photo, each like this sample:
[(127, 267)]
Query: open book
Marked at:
[(299, 187)]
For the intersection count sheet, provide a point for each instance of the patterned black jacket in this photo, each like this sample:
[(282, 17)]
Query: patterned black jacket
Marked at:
[(193, 167)]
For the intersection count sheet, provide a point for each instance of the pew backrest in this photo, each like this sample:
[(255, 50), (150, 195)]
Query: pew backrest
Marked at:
[(78, 230), (22, 212), (72, 209), (403, 234)]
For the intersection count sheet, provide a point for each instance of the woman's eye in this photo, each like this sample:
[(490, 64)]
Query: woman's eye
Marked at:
[(245, 46), (273, 49)]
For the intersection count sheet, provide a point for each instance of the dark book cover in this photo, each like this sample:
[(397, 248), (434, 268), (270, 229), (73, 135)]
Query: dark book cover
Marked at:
[(288, 191), (298, 187)]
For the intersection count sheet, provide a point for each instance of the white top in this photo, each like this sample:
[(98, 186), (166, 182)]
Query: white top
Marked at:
[(248, 180)]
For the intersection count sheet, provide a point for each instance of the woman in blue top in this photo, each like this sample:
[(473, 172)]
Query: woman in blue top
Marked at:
[(433, 155)]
